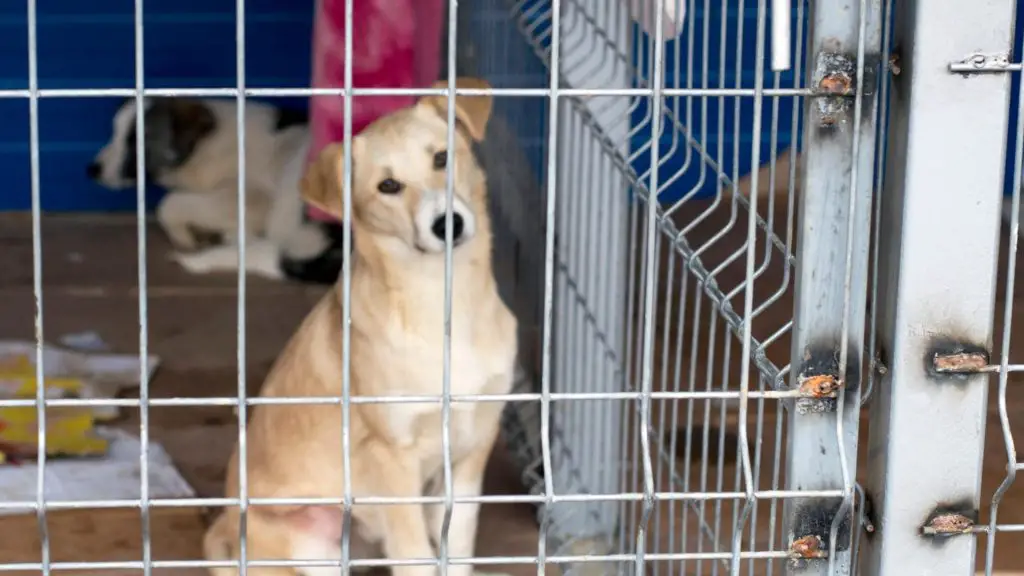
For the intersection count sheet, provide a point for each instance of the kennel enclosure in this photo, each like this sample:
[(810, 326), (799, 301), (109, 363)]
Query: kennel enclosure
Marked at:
[(694, 360)]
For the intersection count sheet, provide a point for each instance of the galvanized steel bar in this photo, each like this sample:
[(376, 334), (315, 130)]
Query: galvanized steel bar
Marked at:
[(346, 297), (651, 220), (392, 500), (744, 468), (37, 282), (583, 560), (547, 321), (243, 466), (404, 399), (446, 385), (943, 172), (290, 92), (831, 281), (1009, 445), (141, 230)]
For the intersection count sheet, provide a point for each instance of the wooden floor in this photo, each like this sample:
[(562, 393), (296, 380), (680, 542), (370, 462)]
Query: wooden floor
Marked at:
[(89, 277)]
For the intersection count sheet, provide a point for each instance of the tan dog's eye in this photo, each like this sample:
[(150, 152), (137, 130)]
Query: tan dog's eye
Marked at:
[(441, 160), (389, 186)]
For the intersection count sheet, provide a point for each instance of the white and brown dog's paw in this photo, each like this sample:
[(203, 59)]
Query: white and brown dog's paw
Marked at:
[(194, 262), (261, 258)]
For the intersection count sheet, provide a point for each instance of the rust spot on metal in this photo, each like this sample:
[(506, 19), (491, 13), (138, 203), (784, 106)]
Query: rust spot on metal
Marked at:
[(819, 386), (955, 360), (894, 64), (836, 84), (807, 547), (834, 77), (948, 524), (819, 380), (960, 362)]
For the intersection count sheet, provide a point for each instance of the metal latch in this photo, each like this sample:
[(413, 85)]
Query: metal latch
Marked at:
[(979, 63)]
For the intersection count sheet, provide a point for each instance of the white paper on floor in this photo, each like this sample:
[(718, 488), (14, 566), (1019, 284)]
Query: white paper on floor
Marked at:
[(117, 476), (104, 375), (101, 369), (88, 341)]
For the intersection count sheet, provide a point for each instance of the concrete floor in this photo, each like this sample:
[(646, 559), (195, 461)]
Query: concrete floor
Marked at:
[(90, 283)]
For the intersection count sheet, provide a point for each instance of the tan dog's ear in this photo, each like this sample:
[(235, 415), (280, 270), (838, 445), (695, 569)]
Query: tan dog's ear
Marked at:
[(472, 111), (321, 185)]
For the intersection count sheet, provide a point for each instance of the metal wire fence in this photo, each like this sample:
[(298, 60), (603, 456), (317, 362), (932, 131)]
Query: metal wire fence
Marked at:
[(700, 328)]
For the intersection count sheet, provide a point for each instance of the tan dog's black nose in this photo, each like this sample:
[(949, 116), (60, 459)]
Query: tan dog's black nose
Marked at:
[(92, 171), (438, 227)]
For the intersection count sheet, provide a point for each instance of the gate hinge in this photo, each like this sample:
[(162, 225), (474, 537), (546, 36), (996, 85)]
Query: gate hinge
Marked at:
[(980, 63)]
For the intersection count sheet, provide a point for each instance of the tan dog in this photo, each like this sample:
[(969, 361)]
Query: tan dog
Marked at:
[(397, 295)]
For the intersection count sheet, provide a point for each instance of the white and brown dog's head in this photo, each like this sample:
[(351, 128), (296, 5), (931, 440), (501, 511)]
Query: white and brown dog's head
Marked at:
[(174, 127), (399, 176)]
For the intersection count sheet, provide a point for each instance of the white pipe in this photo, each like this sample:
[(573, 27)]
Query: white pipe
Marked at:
[(673, 12), (781, 34)]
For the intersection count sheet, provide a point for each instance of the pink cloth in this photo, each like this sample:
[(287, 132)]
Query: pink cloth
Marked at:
[(395, 44)]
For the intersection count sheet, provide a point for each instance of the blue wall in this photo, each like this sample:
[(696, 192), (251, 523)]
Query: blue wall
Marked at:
[(90, 44), (682, 172), (1018, 51), (680, 163)]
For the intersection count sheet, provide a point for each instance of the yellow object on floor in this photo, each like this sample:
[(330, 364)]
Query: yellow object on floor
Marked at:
[(69, 430)]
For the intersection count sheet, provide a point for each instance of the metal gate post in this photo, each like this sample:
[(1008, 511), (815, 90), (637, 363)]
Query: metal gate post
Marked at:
[(939, 246), (831, 281)]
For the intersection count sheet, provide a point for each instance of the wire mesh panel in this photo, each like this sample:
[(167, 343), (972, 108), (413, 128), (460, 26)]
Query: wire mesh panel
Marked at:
[(936, 439), (1004, 523), (682, 228), (694, 337), (590, 259)]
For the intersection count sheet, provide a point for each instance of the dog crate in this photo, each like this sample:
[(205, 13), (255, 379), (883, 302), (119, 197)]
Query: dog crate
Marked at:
[(702, 316)]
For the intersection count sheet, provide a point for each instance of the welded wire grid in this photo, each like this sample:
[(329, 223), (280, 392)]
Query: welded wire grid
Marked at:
[(992, 528), (689, 343), (708, 293), (699, 282)]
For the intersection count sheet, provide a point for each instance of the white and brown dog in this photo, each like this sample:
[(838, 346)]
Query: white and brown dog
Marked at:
[(191, 149), (397, 310)]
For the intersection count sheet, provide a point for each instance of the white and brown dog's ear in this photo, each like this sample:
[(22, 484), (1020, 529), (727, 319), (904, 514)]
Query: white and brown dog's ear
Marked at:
[(174, 127), (322, 184), (473, 112)]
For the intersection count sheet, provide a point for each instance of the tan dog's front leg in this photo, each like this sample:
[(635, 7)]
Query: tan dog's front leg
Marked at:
[(404, 525), (467, 481)]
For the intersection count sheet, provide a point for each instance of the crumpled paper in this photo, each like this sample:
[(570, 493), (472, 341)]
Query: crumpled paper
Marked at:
[(115, 476), (67, 374)]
